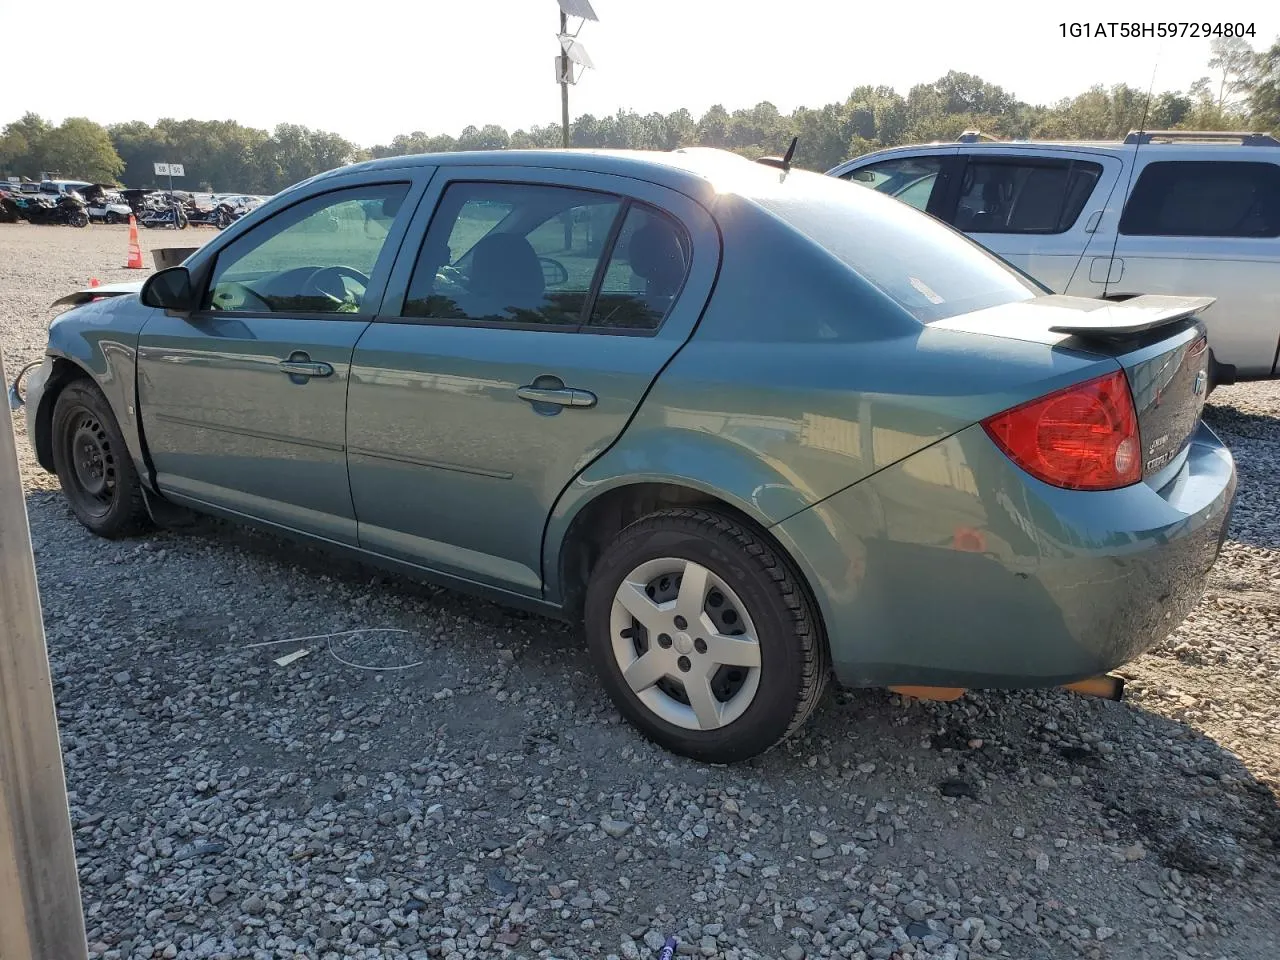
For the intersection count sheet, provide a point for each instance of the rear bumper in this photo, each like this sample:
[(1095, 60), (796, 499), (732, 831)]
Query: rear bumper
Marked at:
[(955, 568)]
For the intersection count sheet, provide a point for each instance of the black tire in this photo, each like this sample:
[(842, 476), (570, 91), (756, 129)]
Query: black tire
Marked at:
[(102, 487), (794, 660), (112, 217), (80, 219)]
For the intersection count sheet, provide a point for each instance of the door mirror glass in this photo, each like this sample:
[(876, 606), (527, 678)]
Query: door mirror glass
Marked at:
[(169, 290)]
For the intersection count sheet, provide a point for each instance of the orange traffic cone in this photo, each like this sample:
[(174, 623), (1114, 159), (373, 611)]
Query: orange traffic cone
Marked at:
[(135, 251)]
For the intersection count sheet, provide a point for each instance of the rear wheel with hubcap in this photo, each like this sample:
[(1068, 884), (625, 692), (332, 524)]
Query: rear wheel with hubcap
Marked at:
[(704, 636), (94, 465)]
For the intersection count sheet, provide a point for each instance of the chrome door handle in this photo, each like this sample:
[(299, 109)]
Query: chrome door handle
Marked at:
[(305, 368), (560, 396)]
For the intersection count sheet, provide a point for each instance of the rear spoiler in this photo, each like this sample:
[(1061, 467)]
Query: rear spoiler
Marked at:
[(85, 294), (1122, 319)]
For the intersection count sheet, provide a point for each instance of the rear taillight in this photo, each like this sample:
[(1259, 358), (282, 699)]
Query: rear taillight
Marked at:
[(1082, 438)]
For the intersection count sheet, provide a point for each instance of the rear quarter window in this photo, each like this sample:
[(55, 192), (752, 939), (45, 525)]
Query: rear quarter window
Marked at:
[(930, 270), (1204, 198)]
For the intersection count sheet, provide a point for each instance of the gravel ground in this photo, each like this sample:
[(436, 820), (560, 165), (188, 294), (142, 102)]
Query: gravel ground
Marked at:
[(463, 789)]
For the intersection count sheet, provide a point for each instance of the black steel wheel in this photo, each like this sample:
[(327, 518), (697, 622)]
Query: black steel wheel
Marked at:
[(112, 217), (94, 465)]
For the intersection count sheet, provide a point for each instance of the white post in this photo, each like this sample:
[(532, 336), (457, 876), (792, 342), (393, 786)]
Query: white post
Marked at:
[(40, 913)]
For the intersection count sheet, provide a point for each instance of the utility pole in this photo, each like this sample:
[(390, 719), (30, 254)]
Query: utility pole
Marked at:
[(40, 916), (564, 85), (571, 53)]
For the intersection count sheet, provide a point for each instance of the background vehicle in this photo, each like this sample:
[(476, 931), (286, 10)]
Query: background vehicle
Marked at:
[(164, 212), (1163, 212), (68, 209), (731, 418), (105, 204)]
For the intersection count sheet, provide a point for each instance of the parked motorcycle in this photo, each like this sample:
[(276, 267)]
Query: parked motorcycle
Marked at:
[(221, 215), (68, 209), (168, 213)]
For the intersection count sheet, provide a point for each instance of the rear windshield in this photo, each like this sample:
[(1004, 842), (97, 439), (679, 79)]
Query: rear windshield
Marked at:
[(932, 271)]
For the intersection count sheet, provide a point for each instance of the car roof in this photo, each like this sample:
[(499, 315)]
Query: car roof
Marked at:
[(689, 170)]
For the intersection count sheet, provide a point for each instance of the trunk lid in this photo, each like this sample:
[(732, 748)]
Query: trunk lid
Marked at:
[(1159, 341)]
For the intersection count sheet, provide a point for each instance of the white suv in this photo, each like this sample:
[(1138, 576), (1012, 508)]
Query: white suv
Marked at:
[(1163, 212)]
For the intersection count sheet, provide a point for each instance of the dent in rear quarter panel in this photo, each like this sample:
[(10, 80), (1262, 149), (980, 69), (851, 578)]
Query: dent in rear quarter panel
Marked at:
[(956, 568), (102, 339)]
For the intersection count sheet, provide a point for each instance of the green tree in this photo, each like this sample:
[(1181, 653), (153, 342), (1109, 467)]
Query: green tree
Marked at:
[(1264, 95), (80, 148), (21, 144)]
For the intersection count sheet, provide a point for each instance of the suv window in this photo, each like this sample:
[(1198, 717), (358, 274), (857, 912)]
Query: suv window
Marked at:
[(910, 179), (645, 272), (1014, 195), (511, 253), (314, 257), (1204, 198)]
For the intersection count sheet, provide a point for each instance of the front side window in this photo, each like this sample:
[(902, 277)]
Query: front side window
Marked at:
[(511, 253), (1002, 195), (1209, 198), (910, 179), (645, 272), (315, 257)]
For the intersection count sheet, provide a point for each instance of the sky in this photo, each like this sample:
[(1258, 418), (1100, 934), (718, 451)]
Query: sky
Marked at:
[(376, 68)]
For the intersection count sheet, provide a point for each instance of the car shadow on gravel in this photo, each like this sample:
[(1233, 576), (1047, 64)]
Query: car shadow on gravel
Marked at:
[(1153, 780)]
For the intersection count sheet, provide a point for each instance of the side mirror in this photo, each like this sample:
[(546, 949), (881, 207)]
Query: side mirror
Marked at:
[(170, 290)]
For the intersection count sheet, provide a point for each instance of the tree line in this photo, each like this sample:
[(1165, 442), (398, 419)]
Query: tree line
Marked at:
[(1242, 92)]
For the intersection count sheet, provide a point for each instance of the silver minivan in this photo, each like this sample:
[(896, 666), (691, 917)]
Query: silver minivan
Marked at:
[(1175, 212)]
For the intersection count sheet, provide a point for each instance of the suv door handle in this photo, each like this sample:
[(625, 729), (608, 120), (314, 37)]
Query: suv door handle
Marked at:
[(300, 365), (560, 396)]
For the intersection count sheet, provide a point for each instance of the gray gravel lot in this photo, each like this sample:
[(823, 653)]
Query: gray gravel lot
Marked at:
[(485, 799)]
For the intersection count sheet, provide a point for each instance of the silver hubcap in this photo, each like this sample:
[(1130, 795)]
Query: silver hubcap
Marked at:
[(685, 644)]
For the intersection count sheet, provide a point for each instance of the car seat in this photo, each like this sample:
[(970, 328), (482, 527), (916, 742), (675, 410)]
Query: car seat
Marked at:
[(506, 277)]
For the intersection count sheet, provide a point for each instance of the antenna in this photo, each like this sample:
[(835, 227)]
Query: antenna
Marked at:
[(1133, 164), (783, 162)]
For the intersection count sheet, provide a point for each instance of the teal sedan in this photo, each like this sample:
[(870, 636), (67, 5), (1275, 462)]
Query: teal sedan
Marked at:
[(751, 428)]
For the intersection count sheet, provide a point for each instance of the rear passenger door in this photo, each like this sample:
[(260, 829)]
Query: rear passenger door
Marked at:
[(1037, 210), (519, 335), (1209, 228)]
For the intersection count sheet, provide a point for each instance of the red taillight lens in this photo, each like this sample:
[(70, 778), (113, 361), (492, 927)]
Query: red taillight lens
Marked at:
[(1083, 438)]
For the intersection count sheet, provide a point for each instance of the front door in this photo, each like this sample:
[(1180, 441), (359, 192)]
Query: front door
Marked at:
[(517, 344), (244, 401)]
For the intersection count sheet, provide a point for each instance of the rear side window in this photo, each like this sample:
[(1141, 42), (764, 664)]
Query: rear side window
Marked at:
[(645, 272), (511, 253), (1010, 195), (930, 270), (1204, 198)]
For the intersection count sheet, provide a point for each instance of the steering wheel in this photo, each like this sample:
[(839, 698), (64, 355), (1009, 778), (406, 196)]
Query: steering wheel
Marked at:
[(226, 293), (327, 280)]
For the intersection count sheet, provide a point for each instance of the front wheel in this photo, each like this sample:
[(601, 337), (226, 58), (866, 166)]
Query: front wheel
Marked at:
[(704, 636), (79, 219), (112, 217), (93, 464)]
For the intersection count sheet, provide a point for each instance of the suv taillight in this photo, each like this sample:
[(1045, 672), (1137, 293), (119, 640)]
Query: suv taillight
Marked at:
[(1084, 437)]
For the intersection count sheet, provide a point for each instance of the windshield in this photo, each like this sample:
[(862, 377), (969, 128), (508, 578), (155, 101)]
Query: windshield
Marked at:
[(930, 270)]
